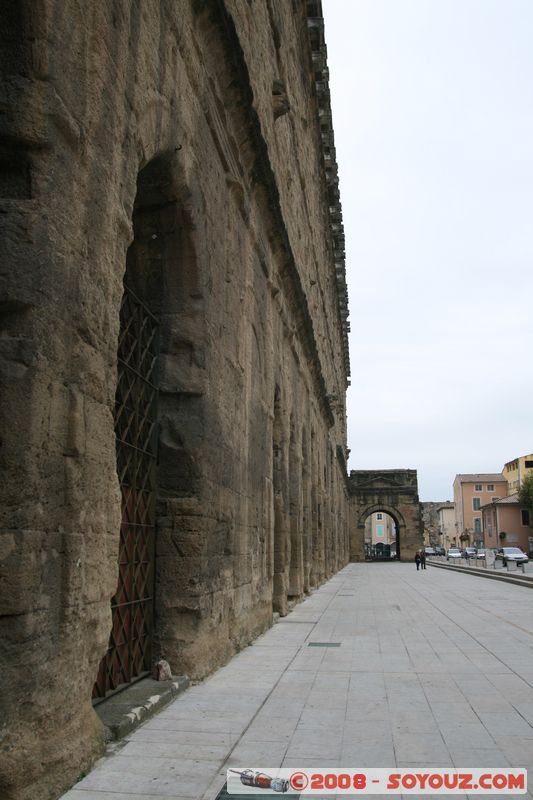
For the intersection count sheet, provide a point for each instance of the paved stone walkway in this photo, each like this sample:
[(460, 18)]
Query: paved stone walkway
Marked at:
[(433, 668)]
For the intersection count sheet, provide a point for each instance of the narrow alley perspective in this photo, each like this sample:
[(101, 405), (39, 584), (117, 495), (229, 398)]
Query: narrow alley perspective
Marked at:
[(382, 665)]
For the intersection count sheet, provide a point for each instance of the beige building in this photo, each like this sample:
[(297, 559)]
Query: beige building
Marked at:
[(470, 493), (515, 471), (446, 522), (380, 528), (506, 524)]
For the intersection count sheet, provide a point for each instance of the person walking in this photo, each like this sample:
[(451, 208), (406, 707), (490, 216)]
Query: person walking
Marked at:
[(422, 559), (418, 559)]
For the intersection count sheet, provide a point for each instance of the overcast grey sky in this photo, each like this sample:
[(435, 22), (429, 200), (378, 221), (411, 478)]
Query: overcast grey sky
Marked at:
[(433, 118)]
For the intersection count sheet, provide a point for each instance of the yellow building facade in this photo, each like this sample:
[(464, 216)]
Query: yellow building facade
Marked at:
[(515, 471)]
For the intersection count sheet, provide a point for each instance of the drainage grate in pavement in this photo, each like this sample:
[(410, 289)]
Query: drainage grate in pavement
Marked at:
[(323, 644)]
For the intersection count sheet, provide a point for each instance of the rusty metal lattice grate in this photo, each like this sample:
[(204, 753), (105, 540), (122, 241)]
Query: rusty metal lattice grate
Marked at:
[(129, 652)]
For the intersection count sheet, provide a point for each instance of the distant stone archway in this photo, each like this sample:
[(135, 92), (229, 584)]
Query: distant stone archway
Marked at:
[(393, 492), (396, 517)]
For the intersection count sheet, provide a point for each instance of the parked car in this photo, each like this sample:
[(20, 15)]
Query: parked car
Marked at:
[(430, 551), (440, 551), (481, 554), (453, 554), (469, 552), (512, 554)]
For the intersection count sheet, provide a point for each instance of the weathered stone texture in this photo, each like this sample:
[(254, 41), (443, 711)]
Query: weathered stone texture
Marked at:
[(179, 141), (430, 520)]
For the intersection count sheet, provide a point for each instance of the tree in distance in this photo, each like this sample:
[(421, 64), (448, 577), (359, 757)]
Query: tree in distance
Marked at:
[(525, 494)]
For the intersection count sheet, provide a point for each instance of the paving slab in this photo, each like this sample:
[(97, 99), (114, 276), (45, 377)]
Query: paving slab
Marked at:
[(428, 668), (88, 794)]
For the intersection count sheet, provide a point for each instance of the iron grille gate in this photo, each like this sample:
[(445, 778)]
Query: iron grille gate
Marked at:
[(130, 643)]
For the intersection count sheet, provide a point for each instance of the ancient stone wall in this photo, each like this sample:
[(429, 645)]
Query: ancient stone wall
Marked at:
[(177, 147), (430, 521)]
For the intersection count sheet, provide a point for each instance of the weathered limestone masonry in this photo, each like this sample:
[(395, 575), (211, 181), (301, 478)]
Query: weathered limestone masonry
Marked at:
[(394, 492), (430, 520), (182, 150)]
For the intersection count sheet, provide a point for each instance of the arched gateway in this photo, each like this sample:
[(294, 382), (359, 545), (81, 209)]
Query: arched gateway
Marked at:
[(393, 492)]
